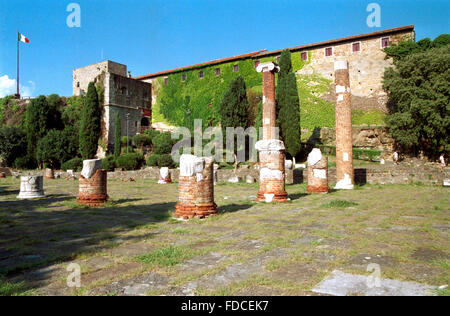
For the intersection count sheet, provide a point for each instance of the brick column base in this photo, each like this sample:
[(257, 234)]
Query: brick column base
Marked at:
[(272, 173), (195, 188), (317, 173), (93, 191)]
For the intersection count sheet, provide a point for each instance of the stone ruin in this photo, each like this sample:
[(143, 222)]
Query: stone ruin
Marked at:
[(164, 176), (317, 172), (31, 187), (195, 188), (92, 184), (49, 173), (344, 143), (271, 150)]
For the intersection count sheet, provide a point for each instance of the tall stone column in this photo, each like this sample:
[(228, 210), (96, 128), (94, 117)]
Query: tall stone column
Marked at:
[(271, 150), (344, 142)]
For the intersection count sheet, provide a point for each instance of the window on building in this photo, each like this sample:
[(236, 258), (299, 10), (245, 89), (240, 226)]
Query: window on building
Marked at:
[(78, 84), (304, 56), (356, 47), (236, 68), (329, 51), (217, 71), (385, 42), (166, 81), (183, 77), (201, 74), (257, 62), (123, 90), (135, 123)]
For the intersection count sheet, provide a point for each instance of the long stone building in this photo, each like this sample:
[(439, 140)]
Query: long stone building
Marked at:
[(145, 99)]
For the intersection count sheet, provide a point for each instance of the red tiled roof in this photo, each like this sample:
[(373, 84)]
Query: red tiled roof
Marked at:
[(264, 52), (217, 61)]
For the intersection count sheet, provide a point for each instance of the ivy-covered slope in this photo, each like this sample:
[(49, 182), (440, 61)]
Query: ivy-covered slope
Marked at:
[(180, 102)]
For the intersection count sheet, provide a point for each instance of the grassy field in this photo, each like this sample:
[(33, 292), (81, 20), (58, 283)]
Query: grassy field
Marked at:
[(133, 246)]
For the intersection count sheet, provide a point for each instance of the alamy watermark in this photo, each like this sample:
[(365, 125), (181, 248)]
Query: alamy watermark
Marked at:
[(374, 18), (239, 142), (74, 18), (74, 278)]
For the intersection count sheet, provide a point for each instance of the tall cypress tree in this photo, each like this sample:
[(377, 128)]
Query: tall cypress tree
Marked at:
[(117, 136), (234, 108), (288, 106), (90, 127), (37, 123)]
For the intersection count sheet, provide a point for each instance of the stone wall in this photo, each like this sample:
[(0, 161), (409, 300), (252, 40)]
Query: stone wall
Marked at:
[(366, 69), (381, 174), (363, 137)]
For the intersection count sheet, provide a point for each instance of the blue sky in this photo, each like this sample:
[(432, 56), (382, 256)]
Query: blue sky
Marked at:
[(155, 35)]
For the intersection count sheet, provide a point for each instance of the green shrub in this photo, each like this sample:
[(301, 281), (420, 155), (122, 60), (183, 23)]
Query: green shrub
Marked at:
[(26, 162), (163, 143), (142, 140), (152, 133), (109, 163), (358, 153), (74, 164), (165, 160), (131, 161), (152, 160)]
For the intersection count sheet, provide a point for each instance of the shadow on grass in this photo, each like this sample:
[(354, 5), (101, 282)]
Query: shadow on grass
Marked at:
[(231, 208), (296, 196), (32, 242)]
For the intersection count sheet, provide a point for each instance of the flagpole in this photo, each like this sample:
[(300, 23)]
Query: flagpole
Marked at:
[(18, 94)]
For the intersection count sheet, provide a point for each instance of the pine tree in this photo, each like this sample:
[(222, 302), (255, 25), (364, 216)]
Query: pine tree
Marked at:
[(117, 136), (90, 127), (288, 106)]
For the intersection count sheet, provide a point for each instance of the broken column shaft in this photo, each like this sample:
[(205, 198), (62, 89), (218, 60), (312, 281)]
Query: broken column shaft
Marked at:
[(344, 142)]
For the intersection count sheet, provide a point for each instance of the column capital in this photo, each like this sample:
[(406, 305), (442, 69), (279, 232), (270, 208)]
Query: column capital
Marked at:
[(266, 67)]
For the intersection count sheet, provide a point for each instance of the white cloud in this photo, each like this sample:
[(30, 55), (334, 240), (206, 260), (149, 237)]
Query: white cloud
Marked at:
[(8, 87)]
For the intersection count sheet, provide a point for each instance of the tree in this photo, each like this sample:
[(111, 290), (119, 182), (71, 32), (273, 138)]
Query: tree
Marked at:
[(234, 108), (419, 101), (288, 106), (58, 147), (406, 48), (117, 135), (90, 126), (13, 144), (38, 122)]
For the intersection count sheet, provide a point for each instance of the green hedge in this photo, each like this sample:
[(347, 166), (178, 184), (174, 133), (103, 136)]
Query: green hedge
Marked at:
[(74, 164), (131, 161), (152, 160), (358, 153), (109, 163)]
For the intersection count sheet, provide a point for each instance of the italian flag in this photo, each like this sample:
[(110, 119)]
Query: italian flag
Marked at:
[(22, 38)]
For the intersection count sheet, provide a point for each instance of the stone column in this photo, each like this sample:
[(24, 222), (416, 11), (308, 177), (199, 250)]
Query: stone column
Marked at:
[(31, 187), (317, 172), (195, 188), (271, 150), (344, 142), (92, 185), (49, 173), (164, 176)]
